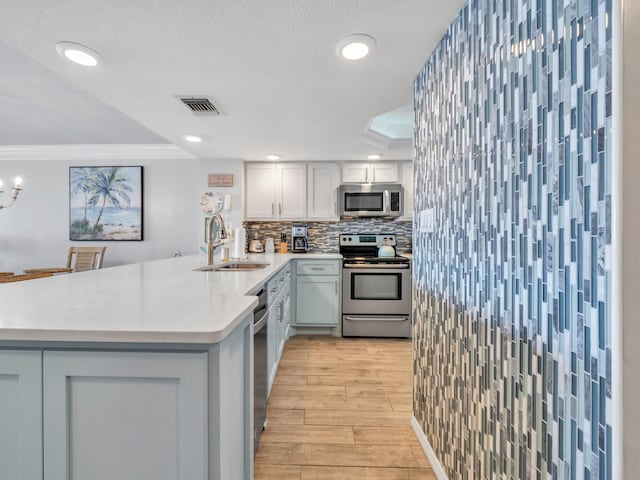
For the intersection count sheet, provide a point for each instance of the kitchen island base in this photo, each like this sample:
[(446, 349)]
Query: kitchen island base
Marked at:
[(129, 411)]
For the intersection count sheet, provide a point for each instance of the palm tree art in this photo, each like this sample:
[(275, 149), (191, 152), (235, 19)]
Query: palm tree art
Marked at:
[(81, 179), (109, 185)]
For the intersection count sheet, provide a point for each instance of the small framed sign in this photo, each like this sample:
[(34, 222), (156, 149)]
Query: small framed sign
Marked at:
[(220, 180)]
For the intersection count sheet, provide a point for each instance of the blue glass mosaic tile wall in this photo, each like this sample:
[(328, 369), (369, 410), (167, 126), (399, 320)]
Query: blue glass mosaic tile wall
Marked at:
[(511, 297)]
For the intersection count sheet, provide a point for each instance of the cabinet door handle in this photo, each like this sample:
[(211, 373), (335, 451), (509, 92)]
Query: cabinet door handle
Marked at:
[(317, 269), (366, 176), (279, 209), (336, 284), (273, 208)]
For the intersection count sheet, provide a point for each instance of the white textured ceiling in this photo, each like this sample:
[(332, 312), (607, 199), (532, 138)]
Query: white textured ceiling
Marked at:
[(39, 107), (269, 65)]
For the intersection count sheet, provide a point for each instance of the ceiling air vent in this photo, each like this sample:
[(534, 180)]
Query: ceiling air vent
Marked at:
[(200, 105)]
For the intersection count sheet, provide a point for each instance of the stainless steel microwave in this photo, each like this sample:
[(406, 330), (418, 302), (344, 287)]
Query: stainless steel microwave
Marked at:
[(371, 200)]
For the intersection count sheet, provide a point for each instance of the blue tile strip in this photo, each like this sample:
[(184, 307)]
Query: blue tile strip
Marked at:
[(511, 299)]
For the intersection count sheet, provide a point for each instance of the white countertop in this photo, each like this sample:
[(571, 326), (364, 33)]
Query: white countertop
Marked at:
[(162, 301)]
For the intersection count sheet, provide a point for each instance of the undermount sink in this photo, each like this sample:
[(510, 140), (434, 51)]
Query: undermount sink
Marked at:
[(233, 267)]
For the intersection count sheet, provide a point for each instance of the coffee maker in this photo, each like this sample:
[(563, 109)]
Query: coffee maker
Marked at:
[(299, 242)]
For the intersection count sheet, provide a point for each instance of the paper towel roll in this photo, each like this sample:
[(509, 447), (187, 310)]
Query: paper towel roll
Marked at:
[(239, 242)]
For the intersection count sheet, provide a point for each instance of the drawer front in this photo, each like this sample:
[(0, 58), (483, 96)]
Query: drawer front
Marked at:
[(287, 271), (274, 281), (277, 282), (274, 286), (309, 267)]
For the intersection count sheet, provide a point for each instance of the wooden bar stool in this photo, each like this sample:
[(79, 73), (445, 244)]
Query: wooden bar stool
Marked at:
[(79, 259), (26, 276), (53, 271), (85, 258)]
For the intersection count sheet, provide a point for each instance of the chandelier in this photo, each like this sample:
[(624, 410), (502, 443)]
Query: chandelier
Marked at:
[(14, 192)]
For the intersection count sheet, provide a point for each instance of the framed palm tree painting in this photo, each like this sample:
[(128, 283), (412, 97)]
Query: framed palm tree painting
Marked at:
[(105, 203)]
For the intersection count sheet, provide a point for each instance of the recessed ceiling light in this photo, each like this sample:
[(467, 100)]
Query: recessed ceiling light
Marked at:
[(79, 54), (273, 156), (192, 138), (355, 47), (375, 156)]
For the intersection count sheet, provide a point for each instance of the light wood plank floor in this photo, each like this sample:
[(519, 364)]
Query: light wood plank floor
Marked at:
[(340, 409)]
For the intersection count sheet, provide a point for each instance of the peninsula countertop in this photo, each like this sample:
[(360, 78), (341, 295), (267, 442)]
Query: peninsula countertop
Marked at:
[(161, 301)]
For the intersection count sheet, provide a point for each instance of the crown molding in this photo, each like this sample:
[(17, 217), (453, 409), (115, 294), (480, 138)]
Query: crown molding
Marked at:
[(95, 152)]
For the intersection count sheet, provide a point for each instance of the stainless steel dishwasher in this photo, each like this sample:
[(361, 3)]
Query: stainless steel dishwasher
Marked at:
[(260, 316)]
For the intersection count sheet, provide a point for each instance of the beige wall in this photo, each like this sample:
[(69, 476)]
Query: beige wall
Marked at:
[(34, 232), (232, 218), (631, 237)]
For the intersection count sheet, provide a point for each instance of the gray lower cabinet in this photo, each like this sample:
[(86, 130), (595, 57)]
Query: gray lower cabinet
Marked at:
[(279, 319), (21, 414), (125, 415), (273, 325), (285, 321), (317, 293), (141, 412)]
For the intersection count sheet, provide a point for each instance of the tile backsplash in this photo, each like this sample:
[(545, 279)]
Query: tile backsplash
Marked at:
[(512, 295), (323, 236)]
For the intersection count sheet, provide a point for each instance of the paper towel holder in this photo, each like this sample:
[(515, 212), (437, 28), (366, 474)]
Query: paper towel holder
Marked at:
[(239, 243)]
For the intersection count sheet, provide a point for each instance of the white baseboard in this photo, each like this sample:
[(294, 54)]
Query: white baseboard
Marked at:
[(304, 330), (426, 446)]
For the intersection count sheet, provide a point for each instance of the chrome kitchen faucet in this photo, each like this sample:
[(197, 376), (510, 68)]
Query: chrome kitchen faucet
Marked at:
[(220, 234)]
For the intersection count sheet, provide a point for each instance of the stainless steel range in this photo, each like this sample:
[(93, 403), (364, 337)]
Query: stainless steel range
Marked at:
[(376, 287)]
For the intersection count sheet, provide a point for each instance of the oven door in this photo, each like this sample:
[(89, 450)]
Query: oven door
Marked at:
[(371, 289)]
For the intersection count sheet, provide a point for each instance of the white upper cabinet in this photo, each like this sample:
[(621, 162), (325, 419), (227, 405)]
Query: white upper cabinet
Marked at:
[(309, 191), (355, 172), (323, 180), (276, 191), (261, 190), (291, 191), (407, 182), (384, 172), (370, 172)]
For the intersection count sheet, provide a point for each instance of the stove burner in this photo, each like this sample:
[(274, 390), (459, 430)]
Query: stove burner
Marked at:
[(363, 249)]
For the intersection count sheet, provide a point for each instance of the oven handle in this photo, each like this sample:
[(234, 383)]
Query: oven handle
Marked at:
[(377, 319), (372, 266)]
